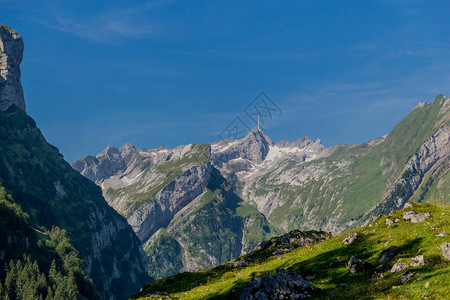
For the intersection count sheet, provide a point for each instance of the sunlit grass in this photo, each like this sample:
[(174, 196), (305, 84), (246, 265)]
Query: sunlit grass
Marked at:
[(328, 261)]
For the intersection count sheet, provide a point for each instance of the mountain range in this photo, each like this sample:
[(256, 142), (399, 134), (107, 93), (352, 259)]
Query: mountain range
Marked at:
[(200, 205)]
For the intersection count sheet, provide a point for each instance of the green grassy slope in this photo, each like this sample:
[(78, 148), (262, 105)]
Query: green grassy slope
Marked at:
[(328, 262)]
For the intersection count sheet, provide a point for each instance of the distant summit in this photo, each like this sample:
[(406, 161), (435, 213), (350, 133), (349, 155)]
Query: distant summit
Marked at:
[(11, 53)]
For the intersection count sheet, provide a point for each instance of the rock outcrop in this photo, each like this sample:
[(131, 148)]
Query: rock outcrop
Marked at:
[(398, 267), (350, 238), (445, 251), (253, 147), (11, 53), (387, 256), (283, 284), (356, 265), (405, 277), (415, 217), (417, 261)]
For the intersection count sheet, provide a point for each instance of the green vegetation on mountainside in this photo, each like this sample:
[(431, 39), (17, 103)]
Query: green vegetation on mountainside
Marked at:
[(38, 264), (353, 180), (52, 194), (219, 229), (327, 262), (27, 162)]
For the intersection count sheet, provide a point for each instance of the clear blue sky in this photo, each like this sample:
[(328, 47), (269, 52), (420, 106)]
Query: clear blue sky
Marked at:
[(97, 73)]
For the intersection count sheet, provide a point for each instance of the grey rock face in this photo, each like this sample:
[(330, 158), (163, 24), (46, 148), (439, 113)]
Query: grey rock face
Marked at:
[(398, 267), (417, 261), (284, 284), (11, 53), (415, 217), (304, 142), (356, 264), (430, 152), (350, 238), (172, 198), (445, 250), (108, 231), (108, 163), (253, 147)]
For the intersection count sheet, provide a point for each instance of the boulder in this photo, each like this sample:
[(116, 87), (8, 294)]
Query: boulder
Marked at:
[(282, 251), (387, 256), (356, 264), (417, 261), (414, 216), (399, 266), (243, 262), (375, 277), (263, 245), (350, 238), (408, 205), (389, 222), (445, 251), (283, 284), (159, 294), (405, 277)]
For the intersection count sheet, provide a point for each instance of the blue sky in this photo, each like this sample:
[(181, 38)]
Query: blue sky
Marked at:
[(155, 73)]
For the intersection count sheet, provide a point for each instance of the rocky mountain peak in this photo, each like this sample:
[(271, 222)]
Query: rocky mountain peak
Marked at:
[(257, 135), (11, 53), (253, 147)]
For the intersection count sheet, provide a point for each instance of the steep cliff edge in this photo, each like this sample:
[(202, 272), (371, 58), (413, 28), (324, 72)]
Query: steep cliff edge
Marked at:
[(53, 194)]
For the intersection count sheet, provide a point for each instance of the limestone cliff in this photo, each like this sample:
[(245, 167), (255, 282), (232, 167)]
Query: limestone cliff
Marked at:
[(11, 53)]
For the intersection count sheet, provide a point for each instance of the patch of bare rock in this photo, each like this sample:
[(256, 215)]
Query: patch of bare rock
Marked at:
[(356, 265), (398, 267), (350, 238), (283, 284), (415, 217), (445, 251), (387, 256), (417, 261), (405, 277)]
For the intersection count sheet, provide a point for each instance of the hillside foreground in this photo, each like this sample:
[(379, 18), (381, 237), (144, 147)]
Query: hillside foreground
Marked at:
[(325, 264)]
